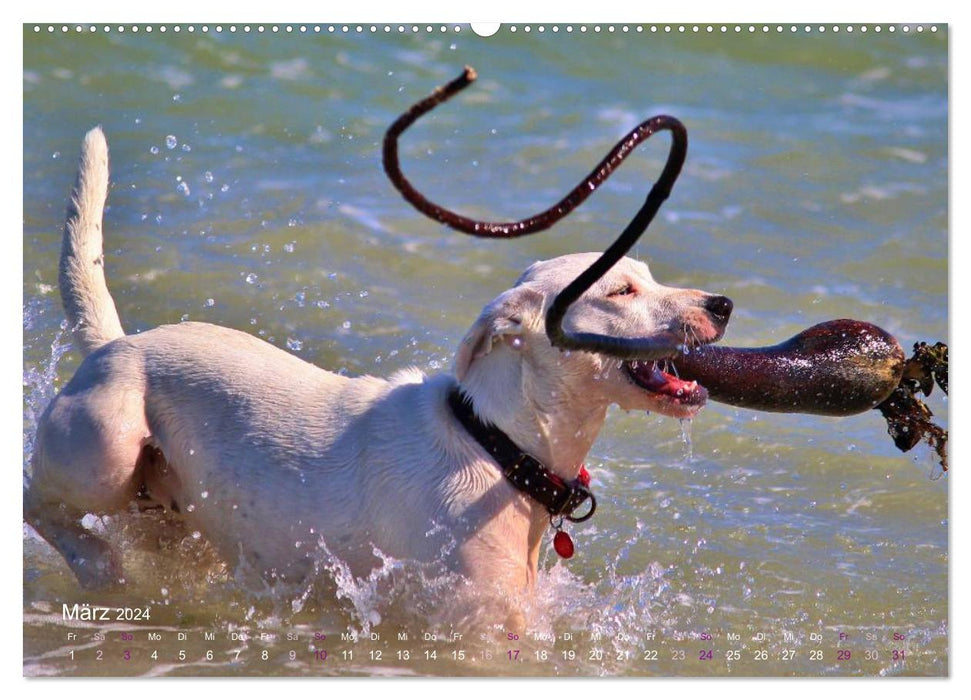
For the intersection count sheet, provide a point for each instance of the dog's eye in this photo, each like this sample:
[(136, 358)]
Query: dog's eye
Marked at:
[(624, 291)]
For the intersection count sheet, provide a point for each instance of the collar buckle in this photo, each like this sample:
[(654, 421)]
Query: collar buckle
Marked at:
[(580, 494)]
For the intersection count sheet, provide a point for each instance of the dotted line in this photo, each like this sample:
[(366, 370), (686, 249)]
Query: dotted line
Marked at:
[(248, 28), (733, 28), (442, 29)]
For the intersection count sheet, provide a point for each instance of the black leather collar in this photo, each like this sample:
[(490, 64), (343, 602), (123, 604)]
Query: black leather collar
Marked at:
[(561, 498)]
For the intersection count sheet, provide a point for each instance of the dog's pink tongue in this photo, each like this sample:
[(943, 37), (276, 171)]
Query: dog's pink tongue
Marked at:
[(662, 382)]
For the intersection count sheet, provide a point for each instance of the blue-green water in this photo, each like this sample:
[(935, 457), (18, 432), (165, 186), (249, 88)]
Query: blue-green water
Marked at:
[(247, 191)]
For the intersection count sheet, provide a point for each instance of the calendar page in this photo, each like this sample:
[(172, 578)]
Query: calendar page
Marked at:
[(300, 398)]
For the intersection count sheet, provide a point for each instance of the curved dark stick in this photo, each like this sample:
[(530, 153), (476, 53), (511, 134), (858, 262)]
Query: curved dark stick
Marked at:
[(626, 348)]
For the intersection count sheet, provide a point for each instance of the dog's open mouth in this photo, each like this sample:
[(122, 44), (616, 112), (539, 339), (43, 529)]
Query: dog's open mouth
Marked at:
[(652, 377)]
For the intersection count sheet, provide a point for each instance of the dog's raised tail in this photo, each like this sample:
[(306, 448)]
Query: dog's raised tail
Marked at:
[(87, 302)]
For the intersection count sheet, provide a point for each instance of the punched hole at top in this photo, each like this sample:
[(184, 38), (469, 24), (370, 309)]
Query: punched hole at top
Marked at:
[(485, 29)]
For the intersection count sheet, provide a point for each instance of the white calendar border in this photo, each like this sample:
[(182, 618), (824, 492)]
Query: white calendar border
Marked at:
[(603, 11)]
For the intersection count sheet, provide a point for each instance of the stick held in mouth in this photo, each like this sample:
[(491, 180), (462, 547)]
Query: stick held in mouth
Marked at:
[(625, 348), (836, 368)]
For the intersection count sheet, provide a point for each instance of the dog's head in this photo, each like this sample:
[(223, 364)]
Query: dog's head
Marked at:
[(507, 349)]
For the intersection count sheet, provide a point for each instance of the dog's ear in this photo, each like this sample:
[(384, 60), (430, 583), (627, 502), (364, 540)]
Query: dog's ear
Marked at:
[(505, 315)]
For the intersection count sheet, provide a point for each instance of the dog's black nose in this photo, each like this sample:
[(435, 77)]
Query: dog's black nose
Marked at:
[(719, 307)]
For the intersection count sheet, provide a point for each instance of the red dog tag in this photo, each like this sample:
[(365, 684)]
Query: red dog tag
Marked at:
[(563, 544)]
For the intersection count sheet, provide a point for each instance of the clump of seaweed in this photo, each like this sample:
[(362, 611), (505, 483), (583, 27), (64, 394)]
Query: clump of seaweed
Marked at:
[(909, 418)]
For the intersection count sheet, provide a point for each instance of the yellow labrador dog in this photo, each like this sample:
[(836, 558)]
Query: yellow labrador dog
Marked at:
[(272, 458)]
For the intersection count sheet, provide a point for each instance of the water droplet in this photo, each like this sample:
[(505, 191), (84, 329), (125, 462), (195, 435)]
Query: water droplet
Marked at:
[(204, 494), (251, 278), (294, 344), (224, 188), (190, 508), (153, 150), (186, 147), (686, 437), (363, 293), (288, 247), (346, 325), (55, 155), (210, 302), (171, 142), (183, 188), (196, 534)]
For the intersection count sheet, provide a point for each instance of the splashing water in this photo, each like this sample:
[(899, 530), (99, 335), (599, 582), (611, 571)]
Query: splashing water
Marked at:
[(362, 593), (40, 380)]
